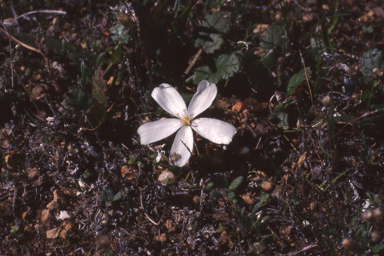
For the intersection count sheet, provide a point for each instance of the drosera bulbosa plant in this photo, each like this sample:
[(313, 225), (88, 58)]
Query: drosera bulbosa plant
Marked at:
[(304, 178), (170, 100)]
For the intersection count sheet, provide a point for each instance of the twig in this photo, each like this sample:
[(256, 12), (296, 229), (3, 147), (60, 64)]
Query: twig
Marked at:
[(193, 62), (306, 77), (10, 55), (25, 88), (34, 12), (19, 42)]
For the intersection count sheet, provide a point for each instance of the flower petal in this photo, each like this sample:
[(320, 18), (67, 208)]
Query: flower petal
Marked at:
[(182, 146), (158, 130), (217, 131), (206, 93), (169, 99)]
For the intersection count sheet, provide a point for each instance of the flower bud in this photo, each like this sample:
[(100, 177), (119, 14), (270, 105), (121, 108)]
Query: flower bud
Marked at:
[(327, 101), (348, 244)]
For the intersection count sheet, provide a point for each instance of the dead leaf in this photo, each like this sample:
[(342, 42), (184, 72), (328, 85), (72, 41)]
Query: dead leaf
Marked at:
[(53, 204), (53, 233), (260, 28), (67, 227), (247, 198), (301, 160), (33, 173), (238, 106), (45, 215), (124, 170)]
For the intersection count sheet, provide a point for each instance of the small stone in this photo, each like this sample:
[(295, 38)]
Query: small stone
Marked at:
[(367, 215), (238, 106), (376, 236), (267, 186), (36, 92), (63, 215), (103, 241), (327, 101), (378, 214), (285, 231), (33, 173), (277, 192), (348, 244), (170, 226), (161, 238), (247, 198)]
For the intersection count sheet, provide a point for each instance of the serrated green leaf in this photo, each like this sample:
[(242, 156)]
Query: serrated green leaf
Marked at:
[(236, 183), (226, 66), (78, 100), (272, 38), (119, 33), (211, 40), (93, 117), (295, 81), (281, 114), (270, 59), (99, 87), (371, 59)]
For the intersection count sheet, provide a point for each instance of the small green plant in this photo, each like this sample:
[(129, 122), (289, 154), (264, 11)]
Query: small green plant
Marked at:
[(109, 196)]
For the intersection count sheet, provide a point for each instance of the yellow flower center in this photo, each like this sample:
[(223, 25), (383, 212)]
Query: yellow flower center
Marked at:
[(186, 121)]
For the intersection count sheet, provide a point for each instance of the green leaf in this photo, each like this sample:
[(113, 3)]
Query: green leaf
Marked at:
[(119, 33), (222, 181), (103, 198), (272, 38), (295, 81), (210, 39), (264, 197), (15, 229), (226, 66), (280, 113), (93, 117), (215, 193), (236, 183), (231, 195), (78, 100), (209, 185), (117, 196), (377, 248), (371, 59), (270, 58), (99, 87)]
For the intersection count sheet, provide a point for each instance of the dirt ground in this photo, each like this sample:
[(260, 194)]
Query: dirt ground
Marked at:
[(300, 80)]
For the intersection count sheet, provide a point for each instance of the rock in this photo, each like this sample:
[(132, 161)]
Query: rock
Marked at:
[(267, 186)]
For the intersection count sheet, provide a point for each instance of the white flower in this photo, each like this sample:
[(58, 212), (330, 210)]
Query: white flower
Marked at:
[(171, 101)]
